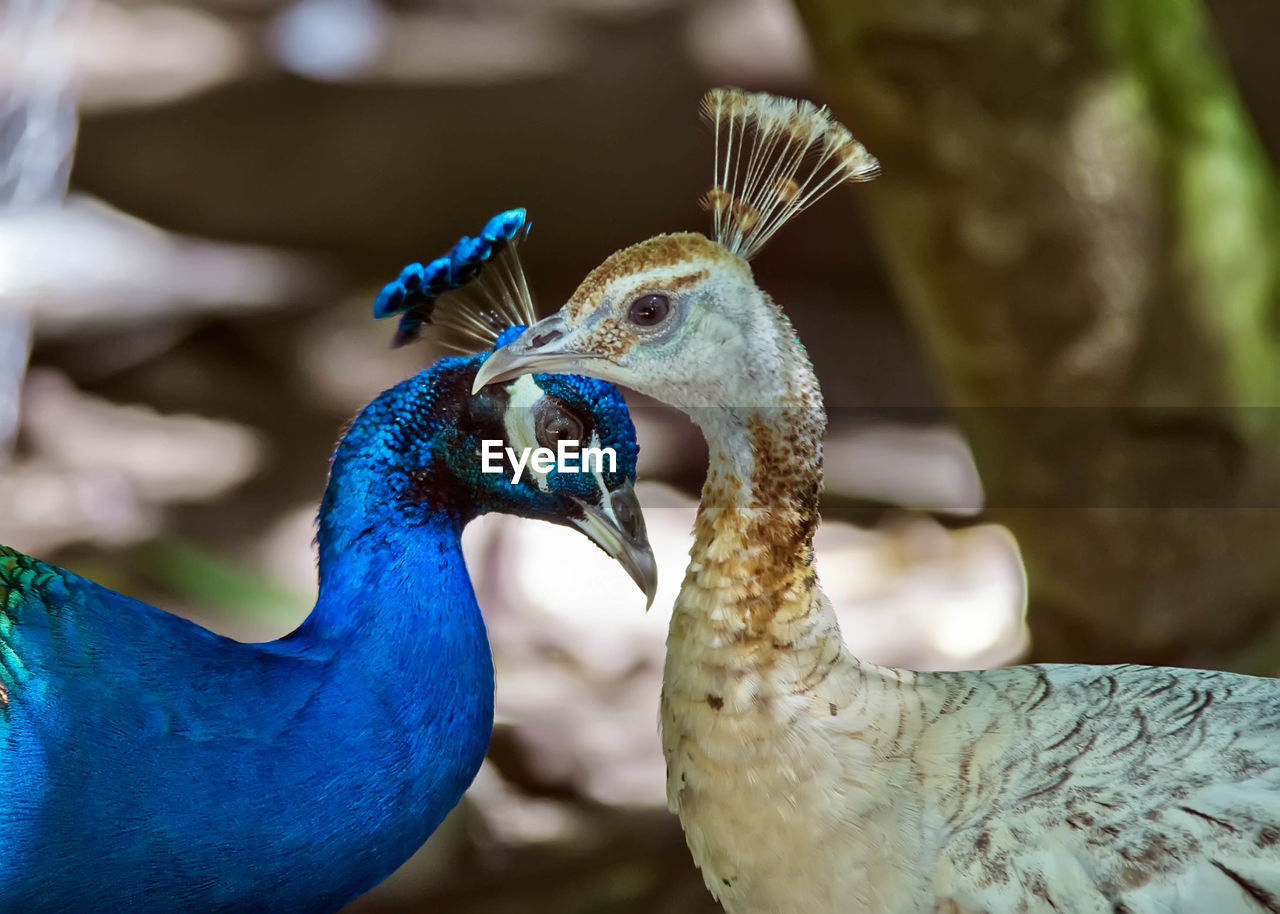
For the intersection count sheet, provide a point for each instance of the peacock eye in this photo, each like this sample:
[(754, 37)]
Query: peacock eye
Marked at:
[(554, 423), (648, 310)]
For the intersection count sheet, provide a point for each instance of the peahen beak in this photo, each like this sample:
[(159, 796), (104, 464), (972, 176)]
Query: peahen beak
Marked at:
[(617, 526), (543, 348)]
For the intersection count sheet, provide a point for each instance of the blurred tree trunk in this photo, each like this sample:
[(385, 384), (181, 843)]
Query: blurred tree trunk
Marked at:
[(1078, 214)]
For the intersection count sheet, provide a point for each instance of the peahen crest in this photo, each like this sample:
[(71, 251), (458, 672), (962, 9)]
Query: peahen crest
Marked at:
[(477, 290), (774, 157)]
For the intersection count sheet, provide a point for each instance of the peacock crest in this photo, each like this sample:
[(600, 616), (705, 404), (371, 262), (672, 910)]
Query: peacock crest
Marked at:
[(476, 291), (774, 157)]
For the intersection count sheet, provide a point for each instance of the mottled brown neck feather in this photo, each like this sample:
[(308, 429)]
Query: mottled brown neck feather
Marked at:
[(759, 530)]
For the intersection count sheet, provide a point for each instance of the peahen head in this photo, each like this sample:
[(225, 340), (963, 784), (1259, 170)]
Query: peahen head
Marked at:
[(680, 317), (677, 317), (429, 450)]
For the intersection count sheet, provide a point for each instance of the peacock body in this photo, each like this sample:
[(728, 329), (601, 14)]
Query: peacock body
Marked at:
[(808, 780), (149, 764)]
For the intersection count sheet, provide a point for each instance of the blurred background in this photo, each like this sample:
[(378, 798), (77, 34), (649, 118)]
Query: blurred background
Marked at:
[(1049, 337)]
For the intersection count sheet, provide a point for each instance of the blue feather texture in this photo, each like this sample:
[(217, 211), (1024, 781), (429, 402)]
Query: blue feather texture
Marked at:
[(149, 764), (491, 257)]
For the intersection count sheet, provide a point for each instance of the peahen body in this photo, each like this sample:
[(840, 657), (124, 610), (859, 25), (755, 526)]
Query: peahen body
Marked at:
[(148, 764), (808, 780)]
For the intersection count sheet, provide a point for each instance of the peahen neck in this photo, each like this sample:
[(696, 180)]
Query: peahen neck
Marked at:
[(751, 579)]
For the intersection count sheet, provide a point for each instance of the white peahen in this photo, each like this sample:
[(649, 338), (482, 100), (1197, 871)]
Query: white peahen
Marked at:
[(810, 781)]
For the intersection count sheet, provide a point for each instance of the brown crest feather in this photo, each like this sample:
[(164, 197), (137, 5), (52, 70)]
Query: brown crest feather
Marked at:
[(774, 157)]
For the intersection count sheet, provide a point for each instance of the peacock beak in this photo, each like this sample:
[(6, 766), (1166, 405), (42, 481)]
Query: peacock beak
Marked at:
[(546, 347), (617, 526)]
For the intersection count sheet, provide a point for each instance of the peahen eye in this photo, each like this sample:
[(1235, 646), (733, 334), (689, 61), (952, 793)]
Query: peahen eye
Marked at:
[(554, 423), (648, 310)]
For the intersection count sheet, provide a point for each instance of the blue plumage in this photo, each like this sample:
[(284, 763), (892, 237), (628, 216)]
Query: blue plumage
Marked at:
[(148, 764), (506, 226), (414, 293)]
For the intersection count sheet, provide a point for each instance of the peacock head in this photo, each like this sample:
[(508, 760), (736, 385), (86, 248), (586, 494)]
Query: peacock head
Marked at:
[(671, 316), (550, 447), (546, 446)]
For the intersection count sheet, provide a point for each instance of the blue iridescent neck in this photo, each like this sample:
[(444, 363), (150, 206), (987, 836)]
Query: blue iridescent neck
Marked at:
[(393, 511)]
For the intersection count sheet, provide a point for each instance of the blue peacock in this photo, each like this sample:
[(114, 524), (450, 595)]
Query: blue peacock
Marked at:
[(149, 764)]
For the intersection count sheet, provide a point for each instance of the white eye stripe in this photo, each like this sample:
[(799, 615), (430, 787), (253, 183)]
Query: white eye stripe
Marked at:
[(522, 396), (597, 473)]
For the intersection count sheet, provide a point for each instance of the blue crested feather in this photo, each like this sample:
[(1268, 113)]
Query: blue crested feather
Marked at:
[(414, 293)]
